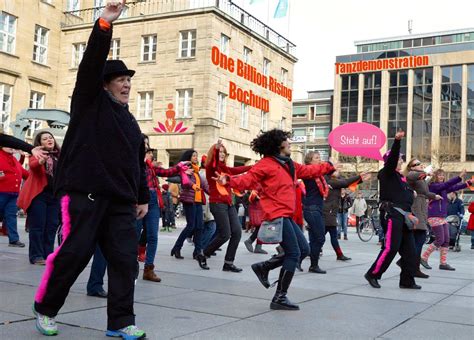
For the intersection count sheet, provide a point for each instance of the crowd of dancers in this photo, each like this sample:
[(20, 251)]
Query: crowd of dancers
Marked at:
[(102, 186)]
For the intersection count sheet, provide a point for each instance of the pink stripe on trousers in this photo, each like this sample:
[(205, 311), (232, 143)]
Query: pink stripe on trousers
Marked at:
[(388, 245), (66, 228)]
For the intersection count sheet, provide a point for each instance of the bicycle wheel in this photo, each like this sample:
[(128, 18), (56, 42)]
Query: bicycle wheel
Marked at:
[(365, 231)]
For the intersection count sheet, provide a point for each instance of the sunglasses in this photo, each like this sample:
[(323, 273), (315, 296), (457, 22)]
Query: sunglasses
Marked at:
[(416, 164)]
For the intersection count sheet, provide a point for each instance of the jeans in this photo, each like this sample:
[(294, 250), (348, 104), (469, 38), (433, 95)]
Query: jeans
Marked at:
[(228, 229), (294, 244), (194, 225), (8, 210), (420, 238), (342, 224), (441, 233), (152, 220), (95, 283), (334, 242), (43, 222), (208, 233), (313, 214)]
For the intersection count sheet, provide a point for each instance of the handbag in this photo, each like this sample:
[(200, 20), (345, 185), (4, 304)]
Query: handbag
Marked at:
[(411, 220), (271, 232)]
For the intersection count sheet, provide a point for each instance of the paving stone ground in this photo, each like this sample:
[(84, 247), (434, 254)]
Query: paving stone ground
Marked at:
[(191, 303)]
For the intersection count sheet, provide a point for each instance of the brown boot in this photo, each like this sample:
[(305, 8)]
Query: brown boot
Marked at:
[(149, 273)]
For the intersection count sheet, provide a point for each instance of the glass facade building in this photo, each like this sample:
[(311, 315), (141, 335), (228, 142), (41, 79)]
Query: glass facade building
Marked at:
[(433, 102)]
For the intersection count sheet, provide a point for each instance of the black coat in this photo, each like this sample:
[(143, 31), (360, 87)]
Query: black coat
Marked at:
[(332, 202), (103, 151)]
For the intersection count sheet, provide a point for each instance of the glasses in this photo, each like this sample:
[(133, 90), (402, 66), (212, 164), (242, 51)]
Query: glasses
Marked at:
[(416, 164)]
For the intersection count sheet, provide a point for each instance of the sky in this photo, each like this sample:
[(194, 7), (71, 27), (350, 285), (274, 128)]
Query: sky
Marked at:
[(322, 30)]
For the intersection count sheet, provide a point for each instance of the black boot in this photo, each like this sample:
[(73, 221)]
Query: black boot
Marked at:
[(202, 261), (261, 269), (280, 300), (176, 253), (314, 268)]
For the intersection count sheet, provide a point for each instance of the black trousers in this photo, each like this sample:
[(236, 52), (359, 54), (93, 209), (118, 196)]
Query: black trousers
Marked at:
[(398, 238), (94, 220), (228, 229)]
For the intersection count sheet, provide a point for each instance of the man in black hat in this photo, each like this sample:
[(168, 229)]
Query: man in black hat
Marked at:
[(102, 186)]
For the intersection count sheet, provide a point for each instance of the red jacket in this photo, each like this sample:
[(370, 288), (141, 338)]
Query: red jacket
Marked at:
[(470, 225), (278, 195), (34, 185), (298, 215), (211, 168), (13, 173)]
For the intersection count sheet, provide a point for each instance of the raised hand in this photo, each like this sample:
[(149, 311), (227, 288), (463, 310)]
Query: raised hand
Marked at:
[(220, 178), (400, 134), (113, 10), (365, 176), (463, 173)]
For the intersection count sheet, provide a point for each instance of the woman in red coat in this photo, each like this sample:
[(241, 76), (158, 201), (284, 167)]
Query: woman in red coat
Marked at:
[(37, 200), (470, 225)]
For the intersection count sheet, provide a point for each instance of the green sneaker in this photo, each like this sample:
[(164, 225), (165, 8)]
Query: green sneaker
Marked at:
[(128, 333), (45, 325)]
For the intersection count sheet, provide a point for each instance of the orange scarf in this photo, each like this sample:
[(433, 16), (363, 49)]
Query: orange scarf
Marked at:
[(197, 192)]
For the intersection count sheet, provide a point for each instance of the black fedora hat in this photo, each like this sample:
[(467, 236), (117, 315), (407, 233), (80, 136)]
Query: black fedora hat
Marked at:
[(114, 68)]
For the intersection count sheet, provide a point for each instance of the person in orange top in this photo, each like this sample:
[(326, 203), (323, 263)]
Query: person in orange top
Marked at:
[(11, 174), (37, 200), (222, 208)]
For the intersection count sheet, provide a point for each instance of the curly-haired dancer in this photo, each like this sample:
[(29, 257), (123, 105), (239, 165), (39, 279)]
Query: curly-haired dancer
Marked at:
[(277, 174)]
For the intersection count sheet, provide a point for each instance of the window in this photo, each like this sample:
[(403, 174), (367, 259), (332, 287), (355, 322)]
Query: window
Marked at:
[(73, 5), (263, 120), (145, 105), (422, 114), (149, 48), (187, 44), (323, 109), (7, 32), (247, 55), (184, 103), (221, 106), (470, 114), (451, 106), (319, 132), (397, 106), (266, 67), (299, 132), (40, 46), (284, 76), (77, 53), (300, 111), (244, 116), (98, 7), (224, 44), (5, 105), (114, 52), (371, 107), (349, 98), (36, 102)]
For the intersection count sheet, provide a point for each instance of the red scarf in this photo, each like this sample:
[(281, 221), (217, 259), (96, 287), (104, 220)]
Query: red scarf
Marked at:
[(322, 186)]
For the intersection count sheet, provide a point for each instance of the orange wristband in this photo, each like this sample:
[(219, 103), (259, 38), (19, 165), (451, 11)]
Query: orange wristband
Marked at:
[(104, 24)]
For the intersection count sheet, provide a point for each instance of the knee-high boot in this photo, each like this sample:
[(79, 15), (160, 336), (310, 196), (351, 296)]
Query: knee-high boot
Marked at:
[(261, 269), (280, 300)]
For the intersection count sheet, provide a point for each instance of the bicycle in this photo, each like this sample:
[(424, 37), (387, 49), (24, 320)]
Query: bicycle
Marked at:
[(370, 225)]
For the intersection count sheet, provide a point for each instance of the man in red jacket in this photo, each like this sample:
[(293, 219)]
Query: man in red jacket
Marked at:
[(277, 174), (11, 174)]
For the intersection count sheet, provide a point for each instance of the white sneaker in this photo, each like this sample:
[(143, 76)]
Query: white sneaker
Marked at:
[(45, 324), (129, 333)]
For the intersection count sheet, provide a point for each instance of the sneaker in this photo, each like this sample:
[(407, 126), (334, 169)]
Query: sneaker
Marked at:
[(129, 333), (17, 244), (45, 325)]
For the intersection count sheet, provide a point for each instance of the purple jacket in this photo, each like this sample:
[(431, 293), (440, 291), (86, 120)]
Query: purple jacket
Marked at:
[(187, 191), (440, 208)]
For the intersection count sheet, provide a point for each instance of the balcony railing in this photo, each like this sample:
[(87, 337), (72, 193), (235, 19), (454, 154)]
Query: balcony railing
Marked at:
[(142, 8)]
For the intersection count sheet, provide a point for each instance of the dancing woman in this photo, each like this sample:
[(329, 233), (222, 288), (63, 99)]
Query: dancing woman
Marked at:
[(437, 213), (277, 174), (396, 198), (416, 177), (225, 214)]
